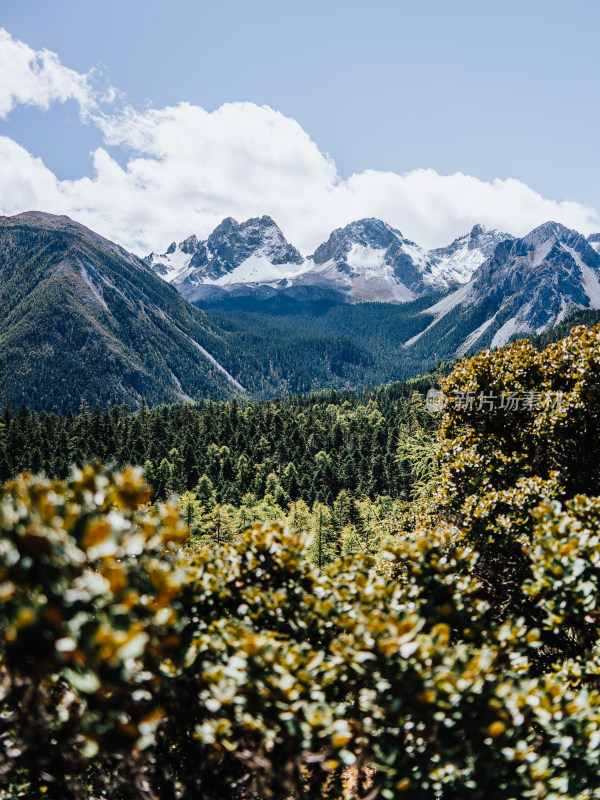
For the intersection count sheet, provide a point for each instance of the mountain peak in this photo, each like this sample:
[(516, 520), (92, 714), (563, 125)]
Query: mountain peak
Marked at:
[(370, 226), (189, 245), (231, 244), (367, 232), (266, 221), (548, 230), (43, 215), (366, 260), (227, 225), (457, 262)]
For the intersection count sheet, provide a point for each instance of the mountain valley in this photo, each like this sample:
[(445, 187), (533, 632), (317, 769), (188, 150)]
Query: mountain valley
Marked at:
[(245, 314)]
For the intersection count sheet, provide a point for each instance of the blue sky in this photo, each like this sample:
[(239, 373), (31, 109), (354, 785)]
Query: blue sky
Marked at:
[(490, 90)]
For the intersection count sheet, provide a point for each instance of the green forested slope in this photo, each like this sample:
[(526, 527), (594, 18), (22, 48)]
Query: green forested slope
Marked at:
[(302, 348), (81, 318)]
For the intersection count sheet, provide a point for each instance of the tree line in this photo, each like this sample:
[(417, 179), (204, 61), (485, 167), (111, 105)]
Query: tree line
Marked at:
[(306, 448)]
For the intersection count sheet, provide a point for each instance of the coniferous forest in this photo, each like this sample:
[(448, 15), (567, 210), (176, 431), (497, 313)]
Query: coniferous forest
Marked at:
[(339, 463)]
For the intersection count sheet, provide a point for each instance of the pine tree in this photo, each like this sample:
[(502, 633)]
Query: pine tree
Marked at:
[(205, 491), (162, 479), (177, 482), (191, 510), (326, 544), (149, 473), (6, 468), (290, 482), (217, 525)]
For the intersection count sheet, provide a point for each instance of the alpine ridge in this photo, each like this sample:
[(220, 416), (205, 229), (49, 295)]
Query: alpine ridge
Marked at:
[(527, 286), (366, 261), (235, 253), (83, 319)]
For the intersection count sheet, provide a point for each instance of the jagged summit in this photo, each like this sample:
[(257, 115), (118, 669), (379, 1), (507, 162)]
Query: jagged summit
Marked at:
[(538, 276), (457, 262), (527, 285), (108, 329), (257, 243), (366, 260), (369, 260), (548, 230), (368, 232)]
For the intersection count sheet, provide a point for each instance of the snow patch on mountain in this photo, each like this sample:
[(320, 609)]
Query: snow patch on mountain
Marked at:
[(541, 252), (419, 257), (456, 263), (591, 285), (441, 308), (594, 241), (366, 261), (173, 264), (446, 304), (258, 269)]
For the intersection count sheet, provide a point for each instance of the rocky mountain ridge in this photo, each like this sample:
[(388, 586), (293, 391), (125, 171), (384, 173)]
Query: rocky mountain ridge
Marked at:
[(367, 260)]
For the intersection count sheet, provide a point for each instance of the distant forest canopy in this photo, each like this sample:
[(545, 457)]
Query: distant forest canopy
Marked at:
[(310, 347), (307, 448)]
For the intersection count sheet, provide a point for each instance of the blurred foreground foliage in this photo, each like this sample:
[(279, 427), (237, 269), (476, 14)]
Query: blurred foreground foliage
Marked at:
[(463, 664)]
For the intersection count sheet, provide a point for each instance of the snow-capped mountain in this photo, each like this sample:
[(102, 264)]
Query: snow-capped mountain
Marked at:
[(171, 264), (371, 261), (105, 327), (367, 260), (527, 285), (594, 241), (235, 253), (457, 262)]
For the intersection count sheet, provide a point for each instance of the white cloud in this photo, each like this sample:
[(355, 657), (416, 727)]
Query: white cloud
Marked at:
[(189, 168), (37, 78)]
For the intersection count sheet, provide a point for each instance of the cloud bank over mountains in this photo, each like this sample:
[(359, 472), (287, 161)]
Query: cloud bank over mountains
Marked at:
[(187, 168)]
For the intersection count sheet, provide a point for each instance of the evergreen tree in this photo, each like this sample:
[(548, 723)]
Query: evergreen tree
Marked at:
[(290, 482), (191, 510), (205, 491), (326, 544), (162, 479), (6, 468)]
